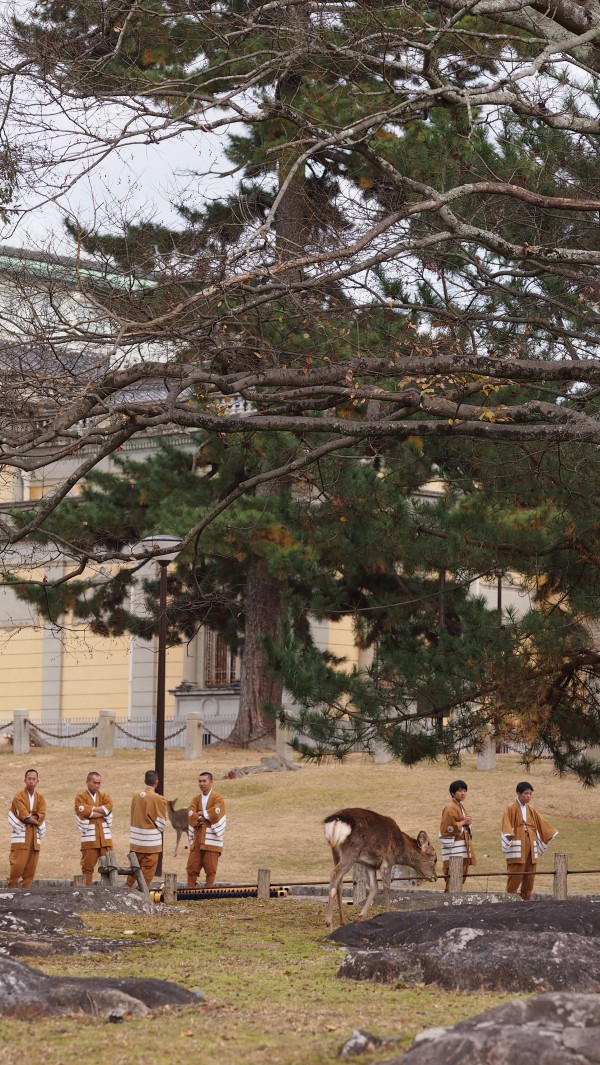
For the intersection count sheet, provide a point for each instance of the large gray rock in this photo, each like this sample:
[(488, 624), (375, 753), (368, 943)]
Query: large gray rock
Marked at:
[(69, 900), (24, 992), (468, 959), (580, 915), (543, 946), (555, 1029), (38, 921)]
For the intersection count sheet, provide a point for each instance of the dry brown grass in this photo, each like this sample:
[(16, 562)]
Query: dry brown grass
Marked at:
[(274, 819)]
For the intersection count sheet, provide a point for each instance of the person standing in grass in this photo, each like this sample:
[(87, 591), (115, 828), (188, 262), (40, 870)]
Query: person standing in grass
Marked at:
[(147, 824), (207, 823), (525, 837), (456, 833), (27, 821), (93, 810)]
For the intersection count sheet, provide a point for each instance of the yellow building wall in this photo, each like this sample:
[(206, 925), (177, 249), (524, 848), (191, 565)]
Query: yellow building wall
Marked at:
[(7, 486), (341, 641), (96, 675), (20, 670)]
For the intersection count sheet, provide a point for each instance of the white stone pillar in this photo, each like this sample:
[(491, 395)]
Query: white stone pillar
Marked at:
[(194, 733), (486, 759), (190, 661), (106, 734), (283, 734), (21, 743), (381, 754)]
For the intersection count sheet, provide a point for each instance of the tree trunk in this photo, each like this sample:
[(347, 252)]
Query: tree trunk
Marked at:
[(263, 595), (258, 685)]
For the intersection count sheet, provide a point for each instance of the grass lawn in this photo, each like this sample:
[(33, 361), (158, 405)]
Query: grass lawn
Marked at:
[(268, 974), (267, 969)]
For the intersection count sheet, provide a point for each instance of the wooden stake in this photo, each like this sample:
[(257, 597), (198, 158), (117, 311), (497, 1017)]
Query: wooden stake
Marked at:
[(264, 884), (560, 877), (137, 873), (170, 889), (455, 869), (360, 884)]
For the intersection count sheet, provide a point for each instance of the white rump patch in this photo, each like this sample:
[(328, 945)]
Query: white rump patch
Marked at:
[(336, 832)]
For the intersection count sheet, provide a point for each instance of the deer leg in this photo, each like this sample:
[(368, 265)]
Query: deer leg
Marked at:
[(386, 879), (335, 887), (177, 843), (372, 874)]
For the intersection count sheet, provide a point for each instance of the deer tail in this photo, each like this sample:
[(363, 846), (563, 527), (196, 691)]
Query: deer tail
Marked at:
[(336, 831)]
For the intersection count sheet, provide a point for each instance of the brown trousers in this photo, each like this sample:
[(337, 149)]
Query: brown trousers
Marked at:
[(201, 859), (515, 871), (148, 863), (23, 863), (89, 861)]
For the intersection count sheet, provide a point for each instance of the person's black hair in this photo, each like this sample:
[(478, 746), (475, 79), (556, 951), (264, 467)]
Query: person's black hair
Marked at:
[(456, 785), (150, 777), (524, 785)]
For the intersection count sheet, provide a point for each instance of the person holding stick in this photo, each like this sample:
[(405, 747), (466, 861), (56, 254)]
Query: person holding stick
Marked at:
[(147, 824)]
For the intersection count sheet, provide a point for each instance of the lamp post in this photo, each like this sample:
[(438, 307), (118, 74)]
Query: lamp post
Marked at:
[(164, 549)]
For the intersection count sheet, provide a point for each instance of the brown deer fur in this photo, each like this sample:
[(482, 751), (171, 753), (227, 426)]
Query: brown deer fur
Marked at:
[(375, 841), (179, 820)]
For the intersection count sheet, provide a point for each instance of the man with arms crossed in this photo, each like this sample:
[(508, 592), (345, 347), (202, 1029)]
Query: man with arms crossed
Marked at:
[(27, 820), (147, 824), (93, 810), (206, 830)]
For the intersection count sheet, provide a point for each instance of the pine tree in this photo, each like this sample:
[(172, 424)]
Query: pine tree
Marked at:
[(361, 540), (468, 222)]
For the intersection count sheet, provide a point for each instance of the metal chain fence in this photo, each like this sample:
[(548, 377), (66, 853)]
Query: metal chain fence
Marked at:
[(60, 735)]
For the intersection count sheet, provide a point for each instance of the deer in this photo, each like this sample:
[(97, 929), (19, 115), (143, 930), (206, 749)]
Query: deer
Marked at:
[(375, 841), (179, 820)]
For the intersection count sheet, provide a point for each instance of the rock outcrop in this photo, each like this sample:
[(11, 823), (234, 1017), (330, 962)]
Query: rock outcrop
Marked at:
[(554, 1029), (25, 992), (541, 946)]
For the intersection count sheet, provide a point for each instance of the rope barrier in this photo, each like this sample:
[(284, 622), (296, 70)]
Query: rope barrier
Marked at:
[(9, 724)]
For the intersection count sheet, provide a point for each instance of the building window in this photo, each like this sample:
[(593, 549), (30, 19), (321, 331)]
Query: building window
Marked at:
[(220, 664)]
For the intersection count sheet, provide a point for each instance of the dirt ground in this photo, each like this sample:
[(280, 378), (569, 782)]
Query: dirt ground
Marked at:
[(275, 819)]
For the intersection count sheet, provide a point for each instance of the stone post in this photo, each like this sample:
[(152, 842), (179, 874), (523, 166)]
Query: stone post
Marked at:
[(486, 759), (21, 742), (282, 743), (194, 736), (106, 734), (381, 754)]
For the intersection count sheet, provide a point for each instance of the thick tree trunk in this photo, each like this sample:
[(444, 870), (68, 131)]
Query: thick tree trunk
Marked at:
[(258, 685), (263, 596)]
